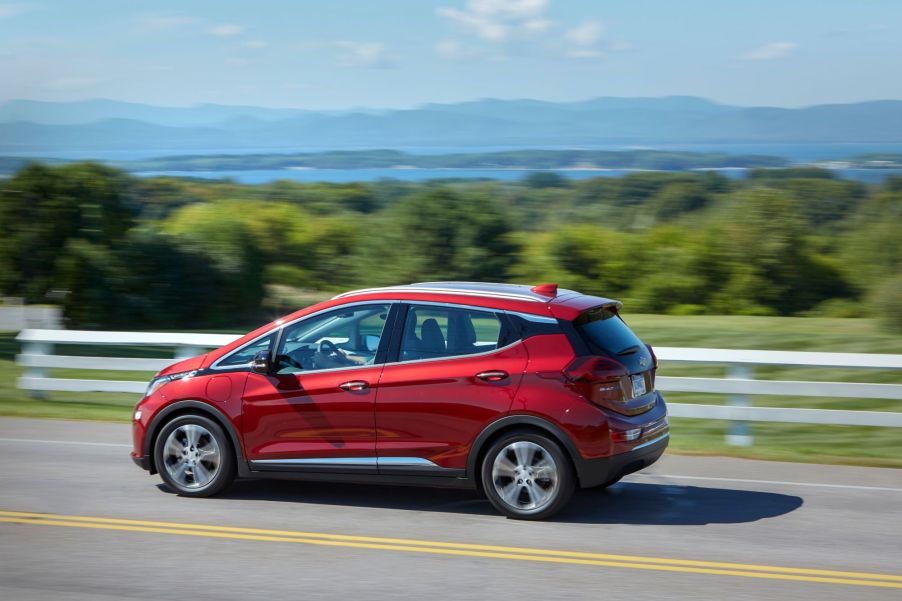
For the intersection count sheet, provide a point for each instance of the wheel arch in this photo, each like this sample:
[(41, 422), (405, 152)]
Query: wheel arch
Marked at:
[(197, 407), (514, 422)]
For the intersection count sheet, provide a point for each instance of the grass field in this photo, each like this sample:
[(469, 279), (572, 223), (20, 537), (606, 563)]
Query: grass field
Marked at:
[(787, 442)]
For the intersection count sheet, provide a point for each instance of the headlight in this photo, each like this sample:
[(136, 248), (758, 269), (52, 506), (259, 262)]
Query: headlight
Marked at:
[(160, 380)]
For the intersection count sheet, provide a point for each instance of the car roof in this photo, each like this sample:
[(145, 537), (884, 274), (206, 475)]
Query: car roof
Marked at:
[(543, 299), (485, 289)]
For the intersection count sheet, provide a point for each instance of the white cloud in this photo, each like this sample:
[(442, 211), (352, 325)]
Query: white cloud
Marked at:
[(585, 34), (481, 25), (255, 44), (769, 51), (585, 41), (363, 54), (497, 29), (496, 20), (237, 61), (225, 30)]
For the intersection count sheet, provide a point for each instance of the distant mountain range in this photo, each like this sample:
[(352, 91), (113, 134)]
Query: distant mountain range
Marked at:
[(94, 125)]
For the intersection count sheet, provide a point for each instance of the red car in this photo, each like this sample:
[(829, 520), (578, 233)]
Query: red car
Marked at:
[(522, 393)]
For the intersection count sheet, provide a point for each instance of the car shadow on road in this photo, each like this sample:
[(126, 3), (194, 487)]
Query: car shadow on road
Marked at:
[(623, 503), (675, 505)]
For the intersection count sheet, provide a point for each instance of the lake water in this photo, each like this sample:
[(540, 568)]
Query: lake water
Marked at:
[(260, 176), (797, 153)]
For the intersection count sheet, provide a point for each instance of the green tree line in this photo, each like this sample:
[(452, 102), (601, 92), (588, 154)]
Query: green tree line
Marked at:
[(121, 251)]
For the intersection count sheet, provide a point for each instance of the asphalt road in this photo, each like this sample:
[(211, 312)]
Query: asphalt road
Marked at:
[(689, 528)]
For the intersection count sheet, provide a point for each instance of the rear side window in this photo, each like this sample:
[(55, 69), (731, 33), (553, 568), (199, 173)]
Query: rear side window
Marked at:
[(605, 333), (434, 332)]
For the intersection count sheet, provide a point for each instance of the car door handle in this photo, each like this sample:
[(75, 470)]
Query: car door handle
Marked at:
[(354, 385), (492, 376)]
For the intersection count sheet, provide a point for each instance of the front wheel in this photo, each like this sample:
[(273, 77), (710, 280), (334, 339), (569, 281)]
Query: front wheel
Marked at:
[(527, 476), (194, 456)]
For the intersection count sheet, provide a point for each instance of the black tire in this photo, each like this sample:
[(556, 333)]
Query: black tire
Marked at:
[(559, 489), (196, 459)]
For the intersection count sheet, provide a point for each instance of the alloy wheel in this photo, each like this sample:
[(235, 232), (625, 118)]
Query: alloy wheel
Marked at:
[(525, 476), (192, 456)]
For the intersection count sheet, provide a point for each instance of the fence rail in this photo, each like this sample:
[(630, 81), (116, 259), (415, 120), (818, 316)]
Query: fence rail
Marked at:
[(37, 357)]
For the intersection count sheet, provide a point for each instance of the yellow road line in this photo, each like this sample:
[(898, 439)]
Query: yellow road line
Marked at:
[(460, 549), (478, 547)]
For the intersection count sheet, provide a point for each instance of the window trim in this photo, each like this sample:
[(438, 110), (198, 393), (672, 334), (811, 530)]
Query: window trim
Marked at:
[(394, 354)]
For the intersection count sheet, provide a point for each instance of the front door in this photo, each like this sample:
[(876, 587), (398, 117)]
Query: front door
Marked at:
[(315, 409)]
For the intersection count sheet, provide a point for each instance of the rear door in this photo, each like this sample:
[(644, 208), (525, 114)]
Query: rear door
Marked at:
[(457, 369)]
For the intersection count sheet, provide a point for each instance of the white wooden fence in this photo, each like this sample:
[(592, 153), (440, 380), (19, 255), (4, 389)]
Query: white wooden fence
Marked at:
[(38, 346)]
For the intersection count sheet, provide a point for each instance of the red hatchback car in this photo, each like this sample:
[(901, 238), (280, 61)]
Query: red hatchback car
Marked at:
[(523, 393)]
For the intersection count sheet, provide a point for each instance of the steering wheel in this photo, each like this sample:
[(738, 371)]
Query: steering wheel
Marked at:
[(328, 348)]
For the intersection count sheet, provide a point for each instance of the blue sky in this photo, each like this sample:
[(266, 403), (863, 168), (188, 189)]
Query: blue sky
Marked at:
[(336, 54)]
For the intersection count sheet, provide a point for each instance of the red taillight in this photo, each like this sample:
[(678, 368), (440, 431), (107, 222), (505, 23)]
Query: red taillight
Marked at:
[(599, 379)]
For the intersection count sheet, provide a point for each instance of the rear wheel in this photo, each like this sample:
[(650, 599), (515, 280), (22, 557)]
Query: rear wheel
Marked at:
[(194, 456), (527, 476)]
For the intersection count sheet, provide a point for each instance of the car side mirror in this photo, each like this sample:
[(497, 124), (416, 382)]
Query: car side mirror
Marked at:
[(261, 363)]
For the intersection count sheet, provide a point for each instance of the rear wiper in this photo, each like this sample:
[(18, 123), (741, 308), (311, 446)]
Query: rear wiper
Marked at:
[(628, 350)]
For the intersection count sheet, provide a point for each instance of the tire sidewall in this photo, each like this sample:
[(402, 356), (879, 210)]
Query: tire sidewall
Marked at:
[(566, 478), (226, 472)]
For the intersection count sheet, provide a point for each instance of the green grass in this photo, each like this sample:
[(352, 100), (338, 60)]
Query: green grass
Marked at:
[(785, 442)]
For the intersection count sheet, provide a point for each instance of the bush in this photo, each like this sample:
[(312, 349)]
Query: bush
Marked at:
[(887, 304)]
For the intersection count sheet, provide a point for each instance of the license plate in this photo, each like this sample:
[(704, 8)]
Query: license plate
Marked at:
[(638, 385)]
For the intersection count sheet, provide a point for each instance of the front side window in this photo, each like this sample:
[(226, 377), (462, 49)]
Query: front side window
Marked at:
[(434, 332), (243, 356), (340, 338)]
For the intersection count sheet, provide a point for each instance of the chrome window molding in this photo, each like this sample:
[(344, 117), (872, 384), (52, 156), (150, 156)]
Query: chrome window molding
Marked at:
[(533, 318)]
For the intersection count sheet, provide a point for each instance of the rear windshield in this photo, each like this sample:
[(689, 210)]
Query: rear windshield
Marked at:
[(605, 333)]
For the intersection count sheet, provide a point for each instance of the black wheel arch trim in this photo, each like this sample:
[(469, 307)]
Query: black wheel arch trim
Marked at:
[(160, 419), (521, 420)]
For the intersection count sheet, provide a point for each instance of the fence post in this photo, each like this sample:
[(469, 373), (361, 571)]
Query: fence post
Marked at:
[(740, 433), (36, 348)]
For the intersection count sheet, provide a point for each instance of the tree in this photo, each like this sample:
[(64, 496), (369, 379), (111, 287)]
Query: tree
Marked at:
[(42, 208), (439, 234)]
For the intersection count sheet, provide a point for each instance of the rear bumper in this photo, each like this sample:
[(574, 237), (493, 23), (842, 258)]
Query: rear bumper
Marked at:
[(595, 472)]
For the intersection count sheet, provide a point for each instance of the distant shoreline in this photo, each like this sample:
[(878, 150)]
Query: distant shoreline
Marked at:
[(374, 164)]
